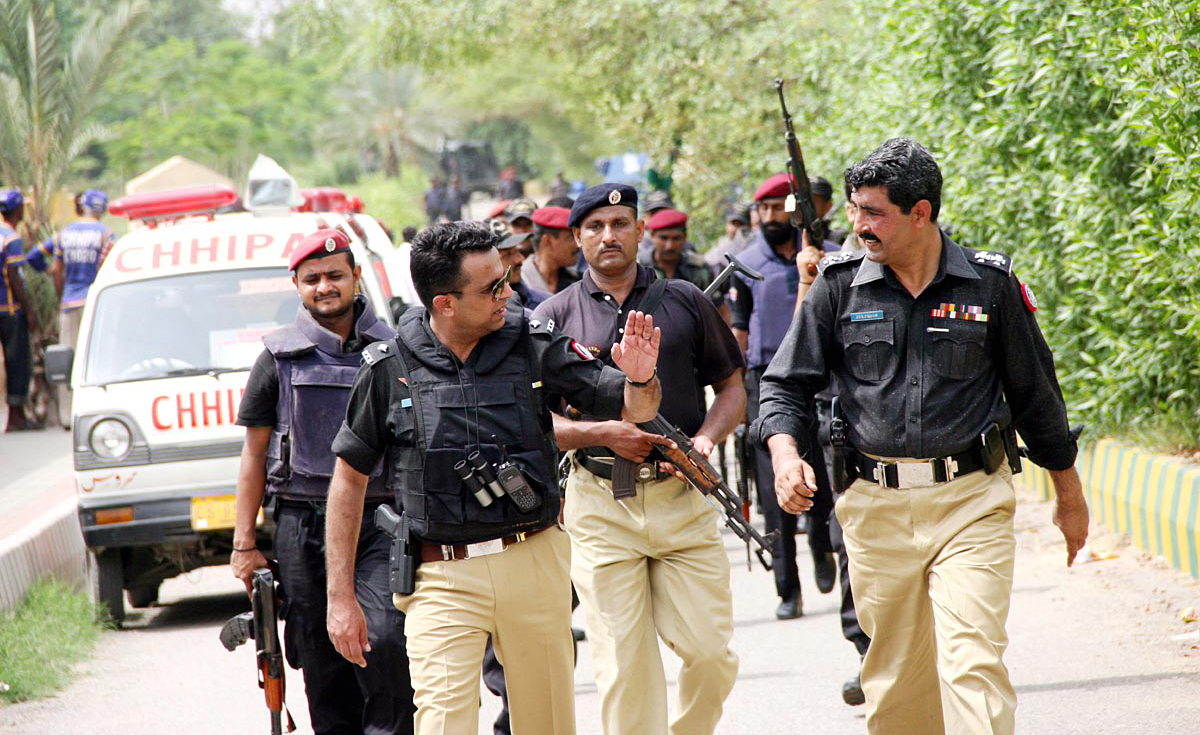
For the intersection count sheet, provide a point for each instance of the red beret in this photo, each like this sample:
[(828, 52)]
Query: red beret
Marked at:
[(318, 245), (555, 217), (498, 210), (778, 185), (665, 218)]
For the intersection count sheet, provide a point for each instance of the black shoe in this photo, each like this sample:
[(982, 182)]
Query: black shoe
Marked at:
[(852, 693), (825, 570), (790, 607)]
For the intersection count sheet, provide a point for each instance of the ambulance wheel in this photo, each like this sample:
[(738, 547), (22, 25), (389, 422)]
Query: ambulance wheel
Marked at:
[(142, 595), (109, 582)]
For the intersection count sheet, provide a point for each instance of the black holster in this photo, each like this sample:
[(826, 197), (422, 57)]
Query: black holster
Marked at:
[(843, 473)]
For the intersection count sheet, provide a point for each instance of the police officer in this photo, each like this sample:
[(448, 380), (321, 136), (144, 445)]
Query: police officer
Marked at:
[(762, 311), (669, 258), (78, 250), (17, 316), (939, 358), (512, 255), (552, 267), (293, 404), (648, 561), (468, 374)]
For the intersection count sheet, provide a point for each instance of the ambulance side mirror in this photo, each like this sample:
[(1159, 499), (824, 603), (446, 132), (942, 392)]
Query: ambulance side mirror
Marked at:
[(59, 359)]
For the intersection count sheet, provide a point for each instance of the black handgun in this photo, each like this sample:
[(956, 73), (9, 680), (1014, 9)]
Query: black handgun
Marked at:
[(402, 559)]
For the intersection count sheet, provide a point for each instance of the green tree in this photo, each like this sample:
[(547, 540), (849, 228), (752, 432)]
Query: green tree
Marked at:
[(50, 89)]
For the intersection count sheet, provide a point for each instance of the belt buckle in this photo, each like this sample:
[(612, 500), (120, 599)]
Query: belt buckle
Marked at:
[(646, 472), (886, 474), (484, 548), (945, 469)]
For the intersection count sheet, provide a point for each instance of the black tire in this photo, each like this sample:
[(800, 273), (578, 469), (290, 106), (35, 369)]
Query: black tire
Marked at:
[(142, 595), (109, 584)]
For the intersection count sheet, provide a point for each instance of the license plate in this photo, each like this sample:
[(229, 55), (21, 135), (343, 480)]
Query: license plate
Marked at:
[(214, 512)]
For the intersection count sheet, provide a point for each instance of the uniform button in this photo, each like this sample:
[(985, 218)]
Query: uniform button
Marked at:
[(621, 330), (607, 297), (867, 338), (913, 381)]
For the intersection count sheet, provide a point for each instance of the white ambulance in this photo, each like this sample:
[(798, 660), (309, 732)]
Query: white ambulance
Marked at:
[(171, 327)]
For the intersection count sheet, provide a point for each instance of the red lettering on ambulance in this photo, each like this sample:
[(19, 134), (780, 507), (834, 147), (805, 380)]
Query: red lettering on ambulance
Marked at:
[(257, 242), (214, 408), (198, 250), (122, 265), (292, 243), (158, 423), (189, 410), (160, 251)]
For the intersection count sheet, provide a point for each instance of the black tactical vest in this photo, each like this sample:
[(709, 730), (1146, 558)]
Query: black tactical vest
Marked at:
[(451, 413), (315, 377)]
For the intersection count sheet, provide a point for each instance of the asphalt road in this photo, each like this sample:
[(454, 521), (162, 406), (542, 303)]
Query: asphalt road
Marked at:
[(1100, 648)]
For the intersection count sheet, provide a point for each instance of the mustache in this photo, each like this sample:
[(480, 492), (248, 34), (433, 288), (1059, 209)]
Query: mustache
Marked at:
[(868, 236)]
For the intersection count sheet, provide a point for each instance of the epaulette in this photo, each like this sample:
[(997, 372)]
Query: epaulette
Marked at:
[(999, 261), (839, 258), (541, 326), (378, 351)]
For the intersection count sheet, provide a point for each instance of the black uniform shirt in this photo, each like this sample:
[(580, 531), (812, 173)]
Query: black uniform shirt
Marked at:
[(697, 348), (920, 377), (378, 395)]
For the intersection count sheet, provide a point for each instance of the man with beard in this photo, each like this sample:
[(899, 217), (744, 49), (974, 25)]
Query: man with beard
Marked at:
[(940, 361), (295, 397), (648, 561), (554, 251), (762, 311)]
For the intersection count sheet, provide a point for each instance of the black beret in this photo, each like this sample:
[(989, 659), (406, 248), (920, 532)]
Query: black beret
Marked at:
[(602, 195)]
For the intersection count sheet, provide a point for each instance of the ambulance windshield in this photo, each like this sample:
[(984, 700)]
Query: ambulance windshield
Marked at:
[(186, 325)]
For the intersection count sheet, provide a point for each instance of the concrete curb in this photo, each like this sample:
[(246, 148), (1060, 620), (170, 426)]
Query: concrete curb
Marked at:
[(50, 545), (1152, 498)]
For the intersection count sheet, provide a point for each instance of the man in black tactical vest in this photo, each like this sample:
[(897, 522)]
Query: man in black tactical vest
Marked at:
[(458, 403), (294, 401)]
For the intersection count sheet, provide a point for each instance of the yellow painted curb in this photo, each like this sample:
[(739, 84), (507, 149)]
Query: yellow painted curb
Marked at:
[(1152, 498)]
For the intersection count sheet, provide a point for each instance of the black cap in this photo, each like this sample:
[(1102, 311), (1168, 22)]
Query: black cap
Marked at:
[(602, 195), (739, 212), (658, 199)]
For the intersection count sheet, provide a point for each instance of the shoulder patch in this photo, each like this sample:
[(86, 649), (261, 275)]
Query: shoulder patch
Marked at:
[(839, 258), (541, 326), (999, 261), (378, 351)]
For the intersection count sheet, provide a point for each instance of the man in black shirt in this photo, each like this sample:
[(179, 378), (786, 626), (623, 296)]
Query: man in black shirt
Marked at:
[(295, 396), (651, 565), (467, 379), (939, 359)]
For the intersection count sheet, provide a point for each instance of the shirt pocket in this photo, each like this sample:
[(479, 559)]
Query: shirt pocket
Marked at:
[(870, 349), (958, 353)]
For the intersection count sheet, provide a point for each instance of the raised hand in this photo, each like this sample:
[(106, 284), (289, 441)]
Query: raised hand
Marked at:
[(637, 353)]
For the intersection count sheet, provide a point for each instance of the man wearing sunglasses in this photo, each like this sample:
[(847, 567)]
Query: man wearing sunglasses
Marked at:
[(461, 393)]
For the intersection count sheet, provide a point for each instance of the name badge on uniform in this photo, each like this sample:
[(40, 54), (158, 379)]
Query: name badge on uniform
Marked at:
[(866, 316), (960, 311), (405, 403)]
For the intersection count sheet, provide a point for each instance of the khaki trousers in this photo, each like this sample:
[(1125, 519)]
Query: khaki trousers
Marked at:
[(931, 569), (522, 598), (652, 565), (68, 334)]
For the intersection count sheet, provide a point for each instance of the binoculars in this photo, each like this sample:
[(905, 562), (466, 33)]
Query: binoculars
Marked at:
[(485, 481)]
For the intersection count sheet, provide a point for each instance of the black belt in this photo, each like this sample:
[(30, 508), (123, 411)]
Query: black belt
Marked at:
[(941, 469), (646, 471)]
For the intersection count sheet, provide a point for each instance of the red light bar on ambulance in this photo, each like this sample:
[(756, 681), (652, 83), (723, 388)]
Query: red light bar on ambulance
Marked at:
[(324, 199), (174, 203)]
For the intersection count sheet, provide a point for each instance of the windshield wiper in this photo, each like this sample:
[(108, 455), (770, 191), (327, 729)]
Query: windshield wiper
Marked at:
[(180, 372)]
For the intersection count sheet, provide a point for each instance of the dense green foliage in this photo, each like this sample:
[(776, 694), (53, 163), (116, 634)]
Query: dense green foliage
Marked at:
[(1067, 133), (51, 629)]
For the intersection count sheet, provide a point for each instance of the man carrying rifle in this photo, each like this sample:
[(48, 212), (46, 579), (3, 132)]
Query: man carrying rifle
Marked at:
[(294, 401), (762, 311), (647, 559)]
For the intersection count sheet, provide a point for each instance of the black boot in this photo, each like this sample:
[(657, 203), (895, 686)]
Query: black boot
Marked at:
[(790, 607)]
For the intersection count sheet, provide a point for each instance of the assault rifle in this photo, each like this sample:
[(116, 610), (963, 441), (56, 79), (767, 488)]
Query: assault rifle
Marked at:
[(704, 477), (799, 203), (261, 624), (743, 454)]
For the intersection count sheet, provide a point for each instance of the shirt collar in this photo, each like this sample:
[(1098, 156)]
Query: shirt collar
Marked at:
[(952, 262), (644, 276)]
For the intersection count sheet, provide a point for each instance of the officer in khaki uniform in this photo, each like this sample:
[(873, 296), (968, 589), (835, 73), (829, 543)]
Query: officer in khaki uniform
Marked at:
[(648, 561), (467, 379), (939, 358)]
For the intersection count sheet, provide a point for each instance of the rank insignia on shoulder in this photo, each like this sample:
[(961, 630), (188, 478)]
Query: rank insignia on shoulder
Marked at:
[(377, 351), (1031, 301), (995, 260), (537, 325), (837, 259)]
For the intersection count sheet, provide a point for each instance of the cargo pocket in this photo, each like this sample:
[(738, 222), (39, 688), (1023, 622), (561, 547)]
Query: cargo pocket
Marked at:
[(870, 349)]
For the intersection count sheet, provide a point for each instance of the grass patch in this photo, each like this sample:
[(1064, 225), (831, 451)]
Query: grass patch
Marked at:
[(51, 629)]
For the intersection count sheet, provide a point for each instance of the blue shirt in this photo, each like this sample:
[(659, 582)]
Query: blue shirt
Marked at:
[(12, 252), (81, 247)]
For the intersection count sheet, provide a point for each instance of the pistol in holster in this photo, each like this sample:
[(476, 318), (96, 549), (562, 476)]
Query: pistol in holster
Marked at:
[(404, 554), (844, 471), (998, 445)]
